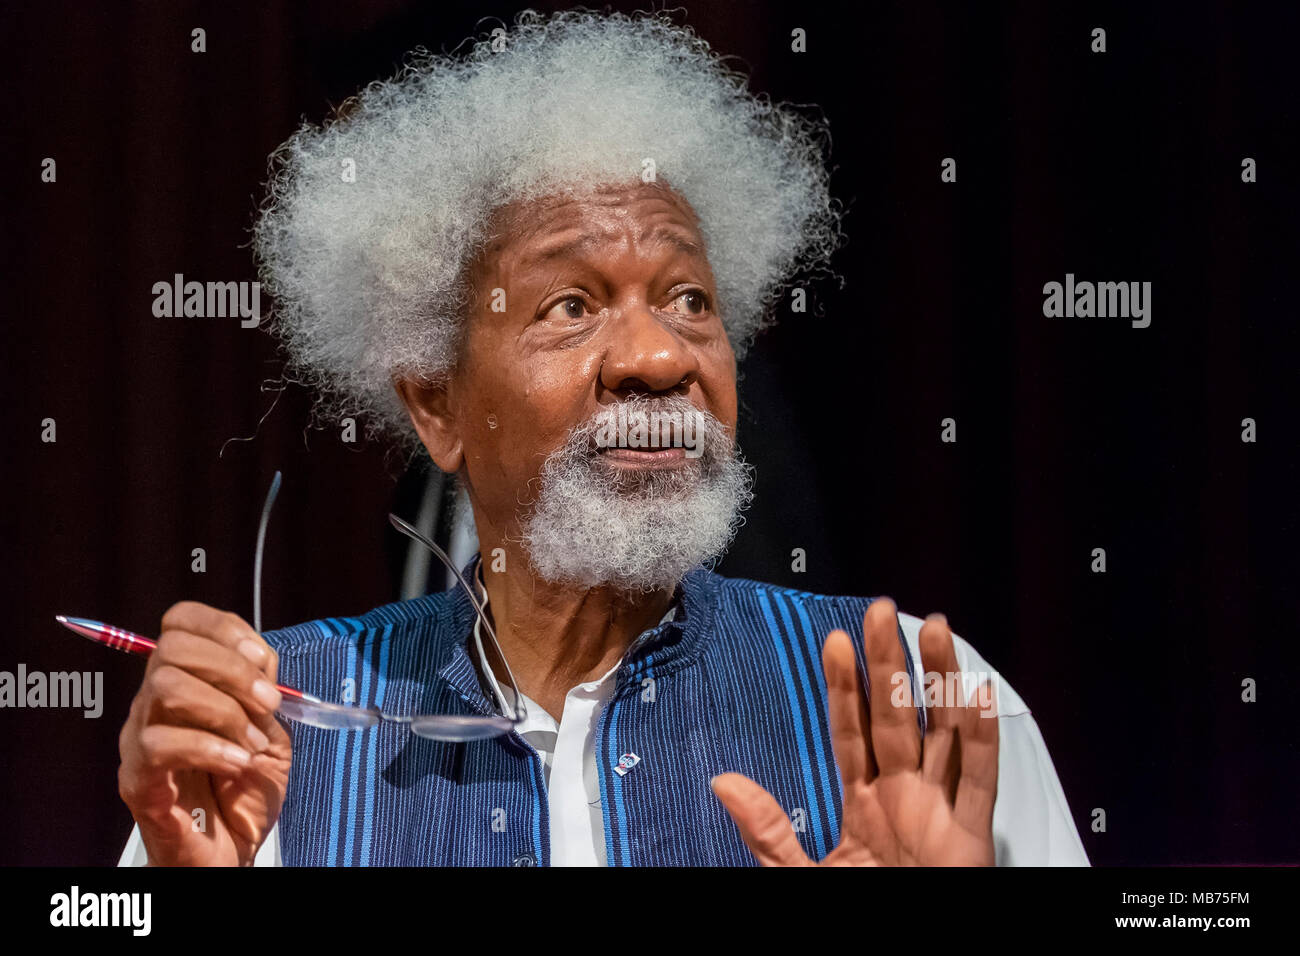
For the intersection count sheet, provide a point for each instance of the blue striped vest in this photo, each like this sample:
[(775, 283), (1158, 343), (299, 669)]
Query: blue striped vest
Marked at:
[(734, 683)]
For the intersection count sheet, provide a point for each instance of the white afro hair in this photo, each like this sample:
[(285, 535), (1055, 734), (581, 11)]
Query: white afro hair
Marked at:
[(368, 276)]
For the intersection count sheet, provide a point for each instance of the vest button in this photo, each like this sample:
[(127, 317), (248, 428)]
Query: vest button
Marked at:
[(523, 859)]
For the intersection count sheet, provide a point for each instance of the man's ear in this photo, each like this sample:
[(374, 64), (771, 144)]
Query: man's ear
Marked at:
[(431, 415)]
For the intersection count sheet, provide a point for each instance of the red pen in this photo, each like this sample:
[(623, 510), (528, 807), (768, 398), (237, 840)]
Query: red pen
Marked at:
[(132, 643)]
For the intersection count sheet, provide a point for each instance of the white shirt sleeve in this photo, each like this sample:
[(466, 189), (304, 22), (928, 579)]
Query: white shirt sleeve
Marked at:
[(268, 854), (1032, 825)]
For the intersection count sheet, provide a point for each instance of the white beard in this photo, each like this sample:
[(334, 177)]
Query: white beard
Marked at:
[(593, 524)]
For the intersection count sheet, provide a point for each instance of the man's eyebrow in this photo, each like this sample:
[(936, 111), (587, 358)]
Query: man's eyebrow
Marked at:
[(564, 248), (570, 247), (672, 237)]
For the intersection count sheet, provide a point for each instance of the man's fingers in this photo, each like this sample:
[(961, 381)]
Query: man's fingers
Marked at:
[(977, 789), (160, 748), (764, 827), (943, 697), (179, 699), (227, 629), (939, 662), (895, 737), (222, 667), (847, 706), (941, 760)]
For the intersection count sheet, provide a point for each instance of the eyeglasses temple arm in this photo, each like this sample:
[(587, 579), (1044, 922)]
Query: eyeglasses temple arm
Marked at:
[(521, 710), (257, 555)]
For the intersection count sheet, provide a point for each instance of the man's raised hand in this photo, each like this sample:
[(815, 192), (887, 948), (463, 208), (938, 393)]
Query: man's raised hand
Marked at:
[(907, 802)]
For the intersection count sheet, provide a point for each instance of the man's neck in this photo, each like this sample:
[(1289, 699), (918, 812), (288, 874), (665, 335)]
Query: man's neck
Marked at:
[(556, 638)]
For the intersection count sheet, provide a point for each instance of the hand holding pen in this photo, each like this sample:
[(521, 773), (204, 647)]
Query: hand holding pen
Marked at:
[(205, 763)]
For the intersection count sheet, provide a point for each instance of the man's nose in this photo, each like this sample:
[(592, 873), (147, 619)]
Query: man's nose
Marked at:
[(646, 355)]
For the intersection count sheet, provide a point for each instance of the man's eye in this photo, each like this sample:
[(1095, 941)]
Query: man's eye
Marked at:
[(571, 308), (691, 303)]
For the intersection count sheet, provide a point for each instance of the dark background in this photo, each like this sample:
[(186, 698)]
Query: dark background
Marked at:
[(1072, 434)]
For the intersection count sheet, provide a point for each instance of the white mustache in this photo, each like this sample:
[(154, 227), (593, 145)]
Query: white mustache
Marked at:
[(651, 423)]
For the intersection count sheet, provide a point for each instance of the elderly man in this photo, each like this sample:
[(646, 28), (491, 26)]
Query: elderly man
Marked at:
[(508, 258)]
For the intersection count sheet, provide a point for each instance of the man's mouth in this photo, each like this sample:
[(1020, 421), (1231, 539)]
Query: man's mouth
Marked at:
[(643, 459)]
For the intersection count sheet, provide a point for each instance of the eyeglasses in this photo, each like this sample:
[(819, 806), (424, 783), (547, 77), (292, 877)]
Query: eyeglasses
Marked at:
[(454, 728)]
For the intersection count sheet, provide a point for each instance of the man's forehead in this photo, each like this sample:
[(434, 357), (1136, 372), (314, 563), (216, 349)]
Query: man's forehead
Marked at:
[(574, 240), (567, 225)]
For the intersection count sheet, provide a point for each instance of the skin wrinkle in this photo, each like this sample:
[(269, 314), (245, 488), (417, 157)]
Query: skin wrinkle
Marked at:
[(542, 376)]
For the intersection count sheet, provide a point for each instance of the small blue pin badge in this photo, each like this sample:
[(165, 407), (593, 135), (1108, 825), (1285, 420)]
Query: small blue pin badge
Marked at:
[(626, 763)]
